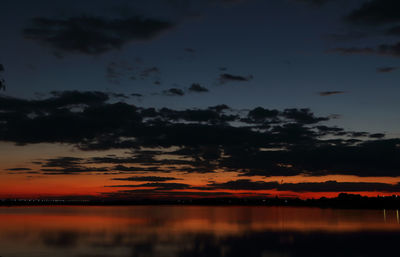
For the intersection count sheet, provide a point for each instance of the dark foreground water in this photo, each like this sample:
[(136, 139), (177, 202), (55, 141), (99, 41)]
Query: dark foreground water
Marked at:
[(197, 231)]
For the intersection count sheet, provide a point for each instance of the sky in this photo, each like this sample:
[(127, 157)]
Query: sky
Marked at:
[(189, 98)]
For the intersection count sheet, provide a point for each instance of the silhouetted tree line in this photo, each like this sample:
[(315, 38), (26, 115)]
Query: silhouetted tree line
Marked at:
[(344, 200)]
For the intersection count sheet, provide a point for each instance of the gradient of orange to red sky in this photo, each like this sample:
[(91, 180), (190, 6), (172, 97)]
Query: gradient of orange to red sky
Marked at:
[(33, 184)]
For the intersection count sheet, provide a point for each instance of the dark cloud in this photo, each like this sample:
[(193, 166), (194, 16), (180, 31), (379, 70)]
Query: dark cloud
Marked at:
[(352, 50), (260, 114), (174, 92), (219, 108), (2, 81), (376, 12), (197, 88), (62, 162), (314, 2), (159, 186), (135, 158), (244, 184), (209, 115), (248, 185), (136, 95), (226, 77), (257, 142), (68, 165), (146, 178), (386, 69), (93, 35), (373, 158), (229, 1), (388, 49), (349, 36), (23, 170), (119, 95), (303, 116), (136, 169), (2, 84), (329, 93), (145, 73), (190, 50), (377, 17), (20, 169), (377, 135), (77, 115), (68, 98), (394, 31), (383, 49), (159, 193), (74, 170)]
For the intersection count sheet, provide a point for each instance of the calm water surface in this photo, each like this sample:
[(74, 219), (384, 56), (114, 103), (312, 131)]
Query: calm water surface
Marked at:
[(197, 231)]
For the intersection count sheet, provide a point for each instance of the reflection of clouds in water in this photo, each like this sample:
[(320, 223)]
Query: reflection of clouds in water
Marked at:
[(196, 231), (258, 244), (60, 239)]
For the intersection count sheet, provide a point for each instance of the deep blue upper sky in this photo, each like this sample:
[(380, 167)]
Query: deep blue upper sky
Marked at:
[(288, 51)]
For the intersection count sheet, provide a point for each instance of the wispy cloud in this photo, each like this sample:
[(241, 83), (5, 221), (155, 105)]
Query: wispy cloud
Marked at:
[(329, 93)]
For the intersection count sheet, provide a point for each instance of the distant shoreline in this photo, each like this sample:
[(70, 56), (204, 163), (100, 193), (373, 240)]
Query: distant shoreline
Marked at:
[(343, 201)]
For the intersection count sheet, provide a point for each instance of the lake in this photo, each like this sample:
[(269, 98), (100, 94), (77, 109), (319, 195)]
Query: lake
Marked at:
[(193, 231)]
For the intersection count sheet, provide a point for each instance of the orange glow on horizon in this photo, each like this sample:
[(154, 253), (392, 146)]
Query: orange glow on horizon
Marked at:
[(34, 184)]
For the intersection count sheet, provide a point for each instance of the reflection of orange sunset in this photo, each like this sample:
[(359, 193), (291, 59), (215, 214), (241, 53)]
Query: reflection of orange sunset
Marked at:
[(220, 220), (64, 231)]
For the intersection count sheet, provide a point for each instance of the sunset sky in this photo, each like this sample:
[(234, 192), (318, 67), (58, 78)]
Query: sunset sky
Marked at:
[(199, 98)]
